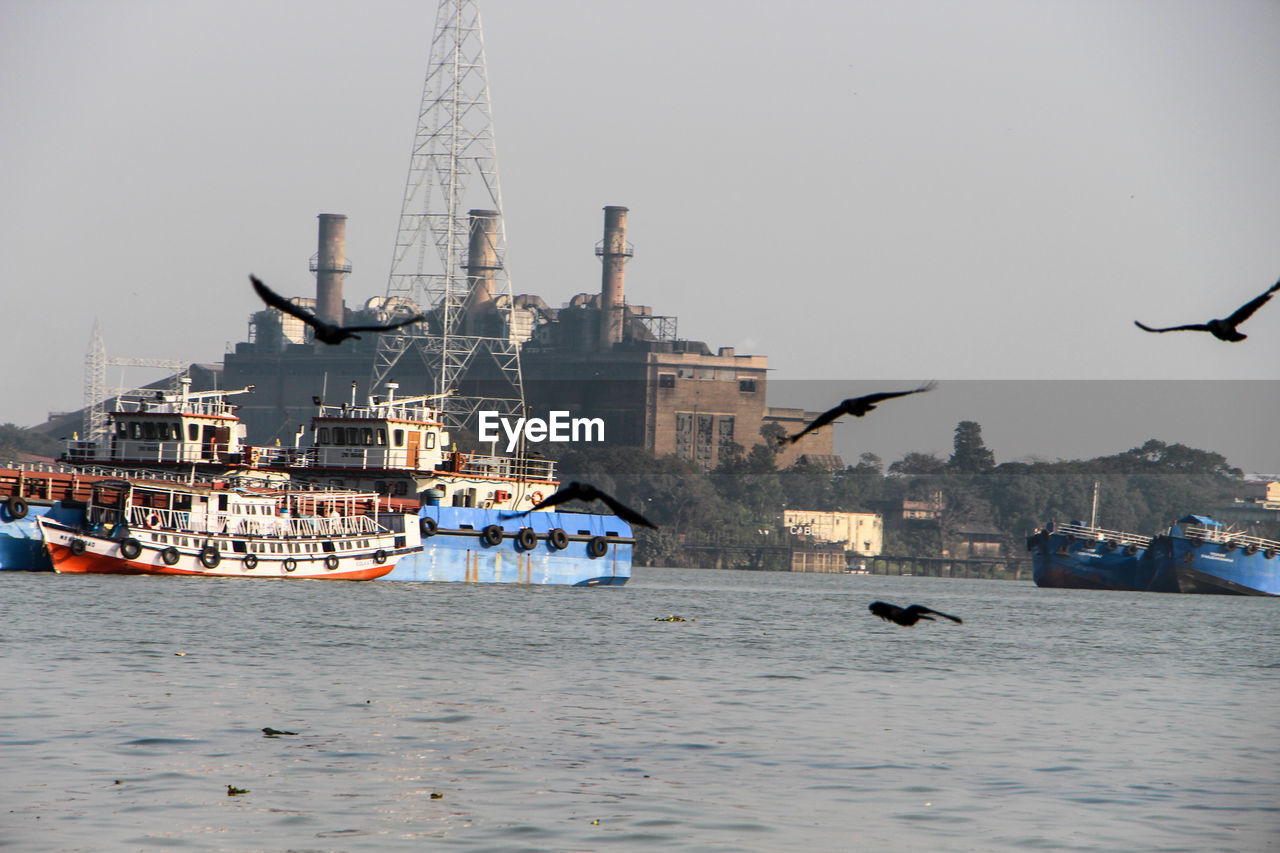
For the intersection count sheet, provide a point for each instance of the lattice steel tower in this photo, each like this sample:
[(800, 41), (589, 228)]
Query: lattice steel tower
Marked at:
[(452, 202)]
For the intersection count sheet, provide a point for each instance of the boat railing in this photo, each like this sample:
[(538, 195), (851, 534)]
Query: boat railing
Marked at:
[(304, 527), (1218, 536), (507, 467), (159, 451), (1101, 534)]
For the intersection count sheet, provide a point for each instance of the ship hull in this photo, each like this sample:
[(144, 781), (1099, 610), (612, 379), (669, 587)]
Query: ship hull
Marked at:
[(1212, 569), (1067, 562), (454, 551)]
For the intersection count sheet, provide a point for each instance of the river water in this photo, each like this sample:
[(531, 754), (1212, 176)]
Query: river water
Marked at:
[(780, 716)]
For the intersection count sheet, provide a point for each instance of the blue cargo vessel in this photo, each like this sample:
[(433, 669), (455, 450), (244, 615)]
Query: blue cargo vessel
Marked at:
[(470, 545), (1196, 555), (1080, 556)]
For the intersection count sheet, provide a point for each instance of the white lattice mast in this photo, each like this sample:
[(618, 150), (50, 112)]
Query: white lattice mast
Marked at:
[(95, 381), (96, 392), (453, 172)]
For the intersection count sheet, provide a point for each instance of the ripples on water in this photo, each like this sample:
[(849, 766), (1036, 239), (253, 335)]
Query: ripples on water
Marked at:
[(784, 716)]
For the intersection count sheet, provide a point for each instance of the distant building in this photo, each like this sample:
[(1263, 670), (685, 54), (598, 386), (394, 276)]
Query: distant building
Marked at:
[(1259, 502), (861, 533)]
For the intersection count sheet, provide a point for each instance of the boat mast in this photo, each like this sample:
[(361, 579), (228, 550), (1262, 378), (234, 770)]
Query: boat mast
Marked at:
[(1093, 516)]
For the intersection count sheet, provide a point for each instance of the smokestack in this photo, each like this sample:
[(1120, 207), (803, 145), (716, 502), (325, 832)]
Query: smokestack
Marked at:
[(482, 263), (330, 265), (613, 251)]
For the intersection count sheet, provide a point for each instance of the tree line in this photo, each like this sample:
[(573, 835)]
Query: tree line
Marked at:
[(741, 501)]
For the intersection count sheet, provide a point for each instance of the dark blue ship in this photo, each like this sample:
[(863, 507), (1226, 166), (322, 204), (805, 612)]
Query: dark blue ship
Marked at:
[(1196, 555), (1080, 556)]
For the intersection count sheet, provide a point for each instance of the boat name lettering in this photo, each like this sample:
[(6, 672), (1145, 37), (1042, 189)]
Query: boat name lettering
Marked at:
[(559, 427)]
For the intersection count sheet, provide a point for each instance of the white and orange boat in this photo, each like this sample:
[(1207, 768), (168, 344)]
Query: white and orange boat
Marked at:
[(164, 528)]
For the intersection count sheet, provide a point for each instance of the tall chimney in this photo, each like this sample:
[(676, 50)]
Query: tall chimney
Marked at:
[(330, 265), (482, 263), (614, 251)]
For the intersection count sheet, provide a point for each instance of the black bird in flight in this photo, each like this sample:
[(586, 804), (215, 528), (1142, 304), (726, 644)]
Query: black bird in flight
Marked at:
[(856, 406), (576, 491), (907, 615), (325, 332), (1225, 329)]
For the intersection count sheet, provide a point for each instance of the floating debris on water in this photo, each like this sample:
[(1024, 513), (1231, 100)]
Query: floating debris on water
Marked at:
[(672, 618), (267, 731), (232, 790), (436, 796)]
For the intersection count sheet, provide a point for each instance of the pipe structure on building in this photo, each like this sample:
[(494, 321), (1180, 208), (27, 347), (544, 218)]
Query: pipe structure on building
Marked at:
[(614, 251), (330, 266)]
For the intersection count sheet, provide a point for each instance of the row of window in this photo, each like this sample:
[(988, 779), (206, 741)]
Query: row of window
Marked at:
[(156, 430), (369, 437), (668, 380)]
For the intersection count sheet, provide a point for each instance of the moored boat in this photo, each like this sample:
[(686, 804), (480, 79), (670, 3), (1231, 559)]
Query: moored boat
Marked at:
[(155, 527), (1080, 556), (1199, 555)]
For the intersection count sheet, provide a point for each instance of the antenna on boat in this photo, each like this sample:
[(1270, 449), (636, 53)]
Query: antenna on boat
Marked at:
[(353, 393)]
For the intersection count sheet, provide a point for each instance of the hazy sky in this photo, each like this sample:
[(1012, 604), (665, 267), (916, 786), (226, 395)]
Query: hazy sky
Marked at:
[(888, 190)]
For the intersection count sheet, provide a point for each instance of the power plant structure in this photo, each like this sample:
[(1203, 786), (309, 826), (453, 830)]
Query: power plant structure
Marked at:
[(597, 356)]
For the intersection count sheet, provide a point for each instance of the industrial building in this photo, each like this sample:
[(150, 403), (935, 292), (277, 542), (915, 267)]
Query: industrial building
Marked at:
[(597, 356)]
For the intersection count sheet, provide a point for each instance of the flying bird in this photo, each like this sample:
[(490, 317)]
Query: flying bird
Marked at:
[(907, 615), (1224, 329), (325, 332), (576, 491), (856, 406)]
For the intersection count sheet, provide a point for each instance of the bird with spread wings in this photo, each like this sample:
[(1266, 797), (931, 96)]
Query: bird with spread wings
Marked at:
[(907, 616), (576, 491), (1223, 329), (325, 332), (856, 406)]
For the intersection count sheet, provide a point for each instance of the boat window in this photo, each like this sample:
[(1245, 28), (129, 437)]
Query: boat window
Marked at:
[(222, 502), (122, 429), (322, 437), (430, 442), (368, 437), (193, 432), (353, 436), (402, 488), (382, 437), (399, 437), (135, 430)]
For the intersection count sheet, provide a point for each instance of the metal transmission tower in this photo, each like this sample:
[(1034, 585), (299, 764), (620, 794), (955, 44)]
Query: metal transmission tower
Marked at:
[(96, 392), (451, 200)]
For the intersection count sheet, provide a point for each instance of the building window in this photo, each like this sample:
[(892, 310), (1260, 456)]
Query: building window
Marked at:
[(666, 380), (726, 429), (747, 386)]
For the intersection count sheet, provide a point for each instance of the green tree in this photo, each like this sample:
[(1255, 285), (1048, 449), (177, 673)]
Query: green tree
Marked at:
[(970, 455)]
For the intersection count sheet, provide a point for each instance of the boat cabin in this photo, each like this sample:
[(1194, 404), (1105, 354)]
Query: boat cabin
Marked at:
[(169, 429)]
